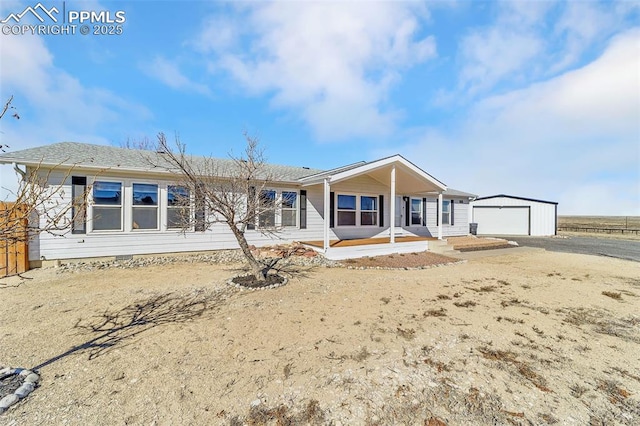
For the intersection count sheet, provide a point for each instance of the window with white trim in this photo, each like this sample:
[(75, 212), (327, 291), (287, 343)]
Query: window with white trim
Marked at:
[(446, 209), (289, 210), (368, 210), (107, 206), (346, 210), (416, 211), (144, 208), (266, 209), (178, 207)]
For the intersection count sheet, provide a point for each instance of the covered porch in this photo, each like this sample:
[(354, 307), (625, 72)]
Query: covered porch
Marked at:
[(375, 208)]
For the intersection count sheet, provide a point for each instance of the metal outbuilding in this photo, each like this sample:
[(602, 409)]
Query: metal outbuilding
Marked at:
[(510, 215)]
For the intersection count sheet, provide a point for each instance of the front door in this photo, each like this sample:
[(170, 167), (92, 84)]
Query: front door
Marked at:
[(399, 211)]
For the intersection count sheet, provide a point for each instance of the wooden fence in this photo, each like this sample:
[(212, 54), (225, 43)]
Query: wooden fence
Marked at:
[(14, 250)]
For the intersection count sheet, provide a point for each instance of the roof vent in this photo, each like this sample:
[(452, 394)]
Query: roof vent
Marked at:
[(305, 167)]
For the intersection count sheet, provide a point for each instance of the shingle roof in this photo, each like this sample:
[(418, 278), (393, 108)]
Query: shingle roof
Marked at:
[(110, 157), (455, 193)]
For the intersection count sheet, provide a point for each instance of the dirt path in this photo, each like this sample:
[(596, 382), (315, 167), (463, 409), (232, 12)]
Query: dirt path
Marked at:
[(525, 337)]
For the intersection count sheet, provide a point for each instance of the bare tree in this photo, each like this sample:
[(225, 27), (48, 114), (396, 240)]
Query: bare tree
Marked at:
[(41, 206), (235, 192), (8, 106)]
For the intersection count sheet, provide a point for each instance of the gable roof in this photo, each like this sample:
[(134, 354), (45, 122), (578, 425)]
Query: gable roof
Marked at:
[(371, 167), (515, 198), (74, 154)]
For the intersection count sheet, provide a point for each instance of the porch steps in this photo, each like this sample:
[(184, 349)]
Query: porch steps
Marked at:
[(442, 247)]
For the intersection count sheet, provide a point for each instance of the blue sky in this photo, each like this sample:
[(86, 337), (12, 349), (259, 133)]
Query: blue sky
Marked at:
[(536, 99)]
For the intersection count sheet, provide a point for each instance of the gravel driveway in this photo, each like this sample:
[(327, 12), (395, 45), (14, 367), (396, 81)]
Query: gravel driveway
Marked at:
[(621, 249)]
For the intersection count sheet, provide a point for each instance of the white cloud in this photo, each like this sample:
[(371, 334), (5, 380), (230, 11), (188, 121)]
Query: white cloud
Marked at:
[(168, 73), (573, 139), (504, 50), (331, 63), (490, 56), (532, 41), (53, 105)]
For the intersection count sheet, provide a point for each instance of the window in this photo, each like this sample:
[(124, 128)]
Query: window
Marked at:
[(346, 210), (368, 211), (145, 206), (416, 211), (446, 208), (266, 209), (289, 208), (78, 210), (178, 210), (107, 206)]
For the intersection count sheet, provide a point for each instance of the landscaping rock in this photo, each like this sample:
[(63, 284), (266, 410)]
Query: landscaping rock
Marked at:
[(8, 401), (32, 378), (24, 390), (293, 254)]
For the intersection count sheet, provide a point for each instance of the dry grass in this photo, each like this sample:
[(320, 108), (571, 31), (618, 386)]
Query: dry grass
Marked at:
[(613, 295), (359, 347), (601, 223), (442, 312), (524, 369), (631, 222), (281, 415), (406, 333), (465, 304), (400, 261)]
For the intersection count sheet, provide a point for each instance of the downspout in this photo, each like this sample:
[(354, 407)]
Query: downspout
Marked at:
[(19, 171)]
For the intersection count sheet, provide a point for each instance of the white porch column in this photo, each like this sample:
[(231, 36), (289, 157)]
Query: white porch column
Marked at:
[(327, 213), (439, 218), (392, 209)]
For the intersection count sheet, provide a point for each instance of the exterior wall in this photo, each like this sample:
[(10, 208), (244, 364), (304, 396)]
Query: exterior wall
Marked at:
[(543, 215), (360, 185), (460, 225), (138, 242)]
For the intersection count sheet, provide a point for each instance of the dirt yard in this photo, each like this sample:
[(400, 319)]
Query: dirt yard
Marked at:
[(529, 337)]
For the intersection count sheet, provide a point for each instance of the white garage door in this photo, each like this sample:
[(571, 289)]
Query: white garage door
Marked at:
[(502, 220)]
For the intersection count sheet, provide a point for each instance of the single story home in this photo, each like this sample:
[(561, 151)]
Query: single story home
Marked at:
[(510, 215), (390, 205)]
